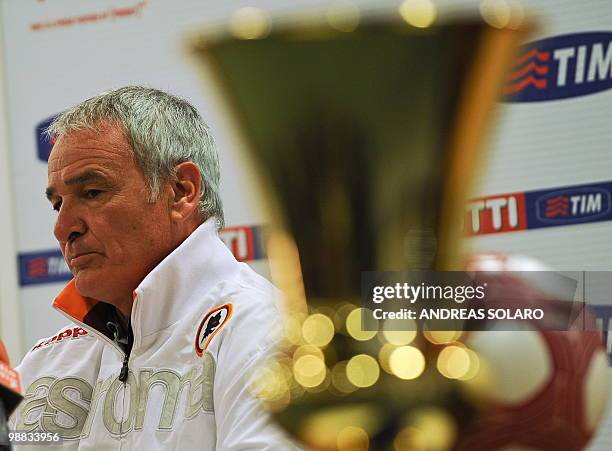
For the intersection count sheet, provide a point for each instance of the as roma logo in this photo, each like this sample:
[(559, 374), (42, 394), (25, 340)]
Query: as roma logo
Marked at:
[(212, 323)]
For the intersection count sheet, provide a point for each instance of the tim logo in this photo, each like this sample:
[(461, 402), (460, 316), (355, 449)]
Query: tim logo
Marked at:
[(573, 205), (561, 67), (42, 267), (43, 144)]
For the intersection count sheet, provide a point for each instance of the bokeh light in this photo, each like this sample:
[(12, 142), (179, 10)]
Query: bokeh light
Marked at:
[(418, 13), (362, 370), (502, 13), (353, 438), (353, 325), (318, 330), (454, 362), (407, 362), (343, 15), (309, 371), (399, 332), (250, 23)]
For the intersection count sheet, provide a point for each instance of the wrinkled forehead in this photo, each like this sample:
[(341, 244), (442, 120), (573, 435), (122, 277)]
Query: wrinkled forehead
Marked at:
[(105, 143)]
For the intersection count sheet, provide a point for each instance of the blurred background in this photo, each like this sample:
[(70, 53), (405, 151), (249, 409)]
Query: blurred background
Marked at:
[(544, 188)]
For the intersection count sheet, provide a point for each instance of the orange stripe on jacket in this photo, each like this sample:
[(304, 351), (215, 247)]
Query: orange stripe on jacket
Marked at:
[(72, 303)]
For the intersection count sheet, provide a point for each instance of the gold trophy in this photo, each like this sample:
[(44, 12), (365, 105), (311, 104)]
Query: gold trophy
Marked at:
[(366, 129)]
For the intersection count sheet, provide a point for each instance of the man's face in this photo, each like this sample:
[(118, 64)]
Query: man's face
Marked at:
[(110, 235)]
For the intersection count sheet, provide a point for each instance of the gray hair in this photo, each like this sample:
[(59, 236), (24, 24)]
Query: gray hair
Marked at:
[(163, 131)]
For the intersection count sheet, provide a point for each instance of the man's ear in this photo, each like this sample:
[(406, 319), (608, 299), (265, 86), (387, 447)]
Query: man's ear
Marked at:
[(186, 188)]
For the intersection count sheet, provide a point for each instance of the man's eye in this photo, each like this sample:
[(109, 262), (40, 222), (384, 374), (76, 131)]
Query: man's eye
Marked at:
[(92, 193)]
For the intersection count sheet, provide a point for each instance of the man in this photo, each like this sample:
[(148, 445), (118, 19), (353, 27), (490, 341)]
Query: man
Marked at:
[(166, 326)]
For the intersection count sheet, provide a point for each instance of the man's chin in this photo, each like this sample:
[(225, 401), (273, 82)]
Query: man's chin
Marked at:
[(88, 284)]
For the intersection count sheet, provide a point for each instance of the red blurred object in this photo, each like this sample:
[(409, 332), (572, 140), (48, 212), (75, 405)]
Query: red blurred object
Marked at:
[(3, 354), (10, 387), (550, 386)]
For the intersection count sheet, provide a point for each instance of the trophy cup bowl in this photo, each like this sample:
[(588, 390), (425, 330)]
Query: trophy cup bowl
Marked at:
[(366, 131)]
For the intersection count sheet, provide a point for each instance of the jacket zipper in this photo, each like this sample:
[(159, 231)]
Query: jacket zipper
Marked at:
[(125, 370)]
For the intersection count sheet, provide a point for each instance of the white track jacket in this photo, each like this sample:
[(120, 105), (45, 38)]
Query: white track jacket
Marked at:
[(201, 321)]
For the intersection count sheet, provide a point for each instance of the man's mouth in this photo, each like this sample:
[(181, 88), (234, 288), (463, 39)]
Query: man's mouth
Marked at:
[(81, 260)]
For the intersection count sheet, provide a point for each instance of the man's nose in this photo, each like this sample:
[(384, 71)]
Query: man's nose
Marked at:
[(69, 224)]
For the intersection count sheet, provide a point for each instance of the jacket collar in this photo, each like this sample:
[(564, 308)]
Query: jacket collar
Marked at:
[(191, 270)]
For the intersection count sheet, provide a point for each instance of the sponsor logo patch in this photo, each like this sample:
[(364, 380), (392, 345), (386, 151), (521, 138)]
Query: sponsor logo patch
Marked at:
[(71, 333), (536, 209), (572, 206), (561, 67), (496, 214), (212, 322), (42, 267)]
